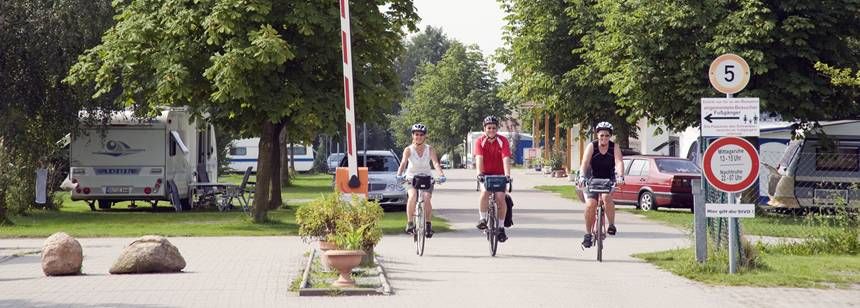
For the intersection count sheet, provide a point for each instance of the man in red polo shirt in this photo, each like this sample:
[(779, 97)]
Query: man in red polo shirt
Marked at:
[(493, 157)]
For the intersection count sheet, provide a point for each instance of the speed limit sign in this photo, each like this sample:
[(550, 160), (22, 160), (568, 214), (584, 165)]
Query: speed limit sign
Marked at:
[(729, 73)]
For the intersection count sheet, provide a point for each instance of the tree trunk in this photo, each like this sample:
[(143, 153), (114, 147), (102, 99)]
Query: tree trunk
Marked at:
[(286, 181), (264, 172), (622, 135), (276, 200)]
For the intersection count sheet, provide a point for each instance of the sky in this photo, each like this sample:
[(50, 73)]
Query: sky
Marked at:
[(469, 21)]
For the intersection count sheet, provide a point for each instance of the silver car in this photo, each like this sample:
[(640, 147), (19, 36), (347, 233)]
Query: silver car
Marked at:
[(333, 161), (382, 175)]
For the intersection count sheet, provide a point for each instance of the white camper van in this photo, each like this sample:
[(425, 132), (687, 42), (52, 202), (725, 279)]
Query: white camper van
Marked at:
[(142, 159), (244, 152)]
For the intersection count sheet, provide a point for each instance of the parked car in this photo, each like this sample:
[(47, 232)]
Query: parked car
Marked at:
[(333, 161), (382, 177), (445, 161), (652, 182)]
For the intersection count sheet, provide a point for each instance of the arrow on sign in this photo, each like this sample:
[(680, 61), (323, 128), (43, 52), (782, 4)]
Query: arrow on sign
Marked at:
[(710, 117)]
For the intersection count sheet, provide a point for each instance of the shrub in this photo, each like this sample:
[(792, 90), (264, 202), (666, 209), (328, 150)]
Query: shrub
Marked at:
[(319, 219)]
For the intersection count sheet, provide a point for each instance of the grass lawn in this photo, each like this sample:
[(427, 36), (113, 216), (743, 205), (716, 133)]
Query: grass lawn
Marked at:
[(305, 186), (767, 225), (566, 191), (76, 218), (775, 270)]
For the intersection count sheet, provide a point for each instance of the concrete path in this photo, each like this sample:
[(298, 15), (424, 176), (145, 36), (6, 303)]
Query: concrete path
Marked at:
[(542, 265)]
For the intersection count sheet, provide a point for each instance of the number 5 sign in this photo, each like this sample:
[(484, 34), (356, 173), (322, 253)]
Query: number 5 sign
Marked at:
[(729, 73)]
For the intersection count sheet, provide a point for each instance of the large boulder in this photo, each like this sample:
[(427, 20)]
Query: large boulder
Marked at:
[(61, 255), (149, 254)]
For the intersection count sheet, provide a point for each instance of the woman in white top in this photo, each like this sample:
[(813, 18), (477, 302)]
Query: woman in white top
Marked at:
[(416, 161)]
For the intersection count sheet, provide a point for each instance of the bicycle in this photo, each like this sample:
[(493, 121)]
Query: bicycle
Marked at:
[(421, 183), (598, 231), (494, 184)]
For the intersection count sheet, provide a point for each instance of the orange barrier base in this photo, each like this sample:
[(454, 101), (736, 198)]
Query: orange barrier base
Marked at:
[(341, 181)]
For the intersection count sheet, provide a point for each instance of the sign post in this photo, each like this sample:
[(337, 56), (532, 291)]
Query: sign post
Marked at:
[(730, 164)]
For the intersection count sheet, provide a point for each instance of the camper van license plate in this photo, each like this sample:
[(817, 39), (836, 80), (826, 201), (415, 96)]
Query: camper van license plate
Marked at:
[(374, 196), (830, 196), (117, 189)]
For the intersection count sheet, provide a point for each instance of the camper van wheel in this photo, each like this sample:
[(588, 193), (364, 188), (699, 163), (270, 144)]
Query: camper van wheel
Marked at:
[(92, 205), (186, 204), (105, 204)]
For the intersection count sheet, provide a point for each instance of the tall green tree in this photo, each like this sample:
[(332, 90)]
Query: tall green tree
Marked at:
[(429, 46), (655, 54), (451, 97), (543, 53), (255, 67), (40, 41)]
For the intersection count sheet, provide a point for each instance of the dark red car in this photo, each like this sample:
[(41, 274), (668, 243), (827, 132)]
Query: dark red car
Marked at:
[(657, 181)]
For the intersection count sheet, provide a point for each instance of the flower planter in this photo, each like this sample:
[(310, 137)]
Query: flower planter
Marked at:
[(344, 261), (326, 246)]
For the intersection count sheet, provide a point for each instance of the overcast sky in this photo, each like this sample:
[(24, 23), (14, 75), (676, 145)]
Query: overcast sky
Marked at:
[(469, 21)]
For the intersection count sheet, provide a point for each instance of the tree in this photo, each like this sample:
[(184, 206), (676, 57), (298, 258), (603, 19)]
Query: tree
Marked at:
[(839, 76), (543, 53), (654, 55), (426, 47), (255, 67), (451, 97), (41, 39)]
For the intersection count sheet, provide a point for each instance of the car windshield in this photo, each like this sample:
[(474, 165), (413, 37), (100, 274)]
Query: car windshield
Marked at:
[(376, 163), (335, 158), (676, 166)]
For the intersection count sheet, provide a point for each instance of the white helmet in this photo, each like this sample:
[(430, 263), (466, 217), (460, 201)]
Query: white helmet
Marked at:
[(603, 126), (418, 127)]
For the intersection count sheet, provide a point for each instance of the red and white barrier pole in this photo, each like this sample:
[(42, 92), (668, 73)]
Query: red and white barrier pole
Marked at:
[(348, 96)]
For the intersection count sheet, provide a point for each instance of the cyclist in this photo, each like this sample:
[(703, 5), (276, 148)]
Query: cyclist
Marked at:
[(602, 160), (416, 161), (492, 157)]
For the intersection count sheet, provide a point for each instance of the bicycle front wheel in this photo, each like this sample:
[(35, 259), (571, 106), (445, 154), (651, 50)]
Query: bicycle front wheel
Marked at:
[(599, 233), (492, 228), (420, 233)]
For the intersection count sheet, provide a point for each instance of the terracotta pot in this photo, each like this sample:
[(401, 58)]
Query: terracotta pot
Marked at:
[(344, 261), (326, 246)]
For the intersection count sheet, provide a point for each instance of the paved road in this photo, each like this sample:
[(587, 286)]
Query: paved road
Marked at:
[(542, 265)]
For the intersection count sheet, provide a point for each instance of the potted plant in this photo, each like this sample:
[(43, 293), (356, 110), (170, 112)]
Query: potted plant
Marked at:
[(366, 214), (318, 221), (349, 239)]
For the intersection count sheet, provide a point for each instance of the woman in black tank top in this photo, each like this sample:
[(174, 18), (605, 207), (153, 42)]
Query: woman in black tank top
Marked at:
[(602, 160)]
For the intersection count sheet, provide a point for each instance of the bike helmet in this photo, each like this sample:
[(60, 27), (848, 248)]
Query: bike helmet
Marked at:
[(491, 120), (603, 126), (418, 127)]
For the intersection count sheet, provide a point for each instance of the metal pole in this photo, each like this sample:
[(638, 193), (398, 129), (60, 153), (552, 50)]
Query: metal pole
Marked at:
[(733, 240), (733, 234), (364, 128), (700, 222)]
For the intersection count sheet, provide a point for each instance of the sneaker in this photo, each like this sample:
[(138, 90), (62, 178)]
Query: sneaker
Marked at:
[(428, 231), (501, 235), (482, 224), (586, 241), (611, 230), (410, 228)]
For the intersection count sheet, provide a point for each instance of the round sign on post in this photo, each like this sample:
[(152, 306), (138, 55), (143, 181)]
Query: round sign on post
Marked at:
[(729, 73), (731, 164)]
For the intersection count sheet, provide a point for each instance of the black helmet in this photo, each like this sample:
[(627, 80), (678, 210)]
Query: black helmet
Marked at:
[(491, 120), (603, 126), (418, 127)]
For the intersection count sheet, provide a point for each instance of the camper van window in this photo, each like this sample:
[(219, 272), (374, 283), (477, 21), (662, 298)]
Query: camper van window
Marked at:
[(845, 159), (297, 150), (172, 146), (240, 151)]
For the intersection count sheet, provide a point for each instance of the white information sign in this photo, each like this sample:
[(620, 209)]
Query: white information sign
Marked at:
[(729, 210), (730, 117)]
